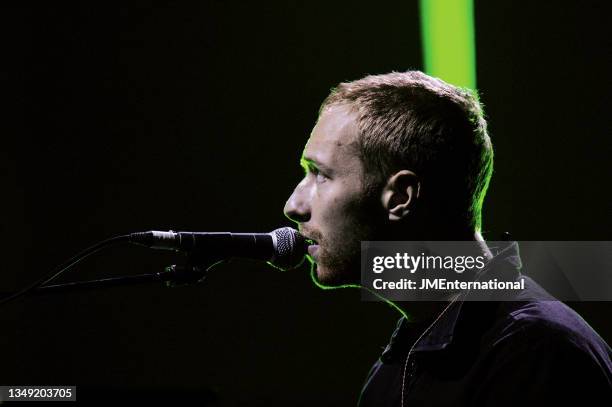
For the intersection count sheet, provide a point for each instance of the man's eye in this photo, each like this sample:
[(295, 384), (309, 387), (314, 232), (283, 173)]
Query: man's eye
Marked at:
[(319, 177)]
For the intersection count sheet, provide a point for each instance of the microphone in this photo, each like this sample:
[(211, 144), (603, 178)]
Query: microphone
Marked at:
[(282, 248)]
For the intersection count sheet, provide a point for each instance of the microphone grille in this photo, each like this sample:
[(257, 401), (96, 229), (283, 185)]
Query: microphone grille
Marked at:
[(289, 248)]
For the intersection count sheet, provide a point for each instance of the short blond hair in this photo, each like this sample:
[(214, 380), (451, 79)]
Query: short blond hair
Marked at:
[(409, 120)]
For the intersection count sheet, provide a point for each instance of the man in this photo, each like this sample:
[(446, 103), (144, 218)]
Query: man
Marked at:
[(407, 157)]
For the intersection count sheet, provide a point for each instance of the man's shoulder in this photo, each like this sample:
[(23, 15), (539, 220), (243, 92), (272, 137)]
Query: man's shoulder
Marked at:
[(551, 319), (549, 327), (536, 312)]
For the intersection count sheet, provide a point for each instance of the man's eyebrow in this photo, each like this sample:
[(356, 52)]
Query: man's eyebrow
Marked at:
[(307, 162)]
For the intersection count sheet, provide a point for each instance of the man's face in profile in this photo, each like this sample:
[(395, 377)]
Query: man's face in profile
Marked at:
[(331, 205)]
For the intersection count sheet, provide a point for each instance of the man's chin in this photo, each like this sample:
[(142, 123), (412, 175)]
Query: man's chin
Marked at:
[(327, 278)]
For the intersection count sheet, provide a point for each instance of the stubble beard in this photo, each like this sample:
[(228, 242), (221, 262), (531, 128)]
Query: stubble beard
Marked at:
[(339, 257), (339, 265)]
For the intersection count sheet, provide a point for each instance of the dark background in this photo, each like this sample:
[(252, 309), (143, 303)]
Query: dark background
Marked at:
[(192, 117)]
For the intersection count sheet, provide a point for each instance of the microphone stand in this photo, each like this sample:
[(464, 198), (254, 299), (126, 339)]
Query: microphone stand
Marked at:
[(194, 271)]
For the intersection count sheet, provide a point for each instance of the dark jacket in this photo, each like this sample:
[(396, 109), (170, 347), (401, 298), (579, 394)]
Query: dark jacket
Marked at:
[(533, 350)]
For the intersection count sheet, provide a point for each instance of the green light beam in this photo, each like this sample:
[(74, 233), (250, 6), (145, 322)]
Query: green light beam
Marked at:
[(447, 32)]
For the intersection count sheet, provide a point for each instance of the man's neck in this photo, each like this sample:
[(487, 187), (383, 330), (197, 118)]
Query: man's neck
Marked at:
[(427, 311)]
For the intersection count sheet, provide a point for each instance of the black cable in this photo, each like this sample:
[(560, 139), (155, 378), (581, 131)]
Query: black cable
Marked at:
[(56, 272)]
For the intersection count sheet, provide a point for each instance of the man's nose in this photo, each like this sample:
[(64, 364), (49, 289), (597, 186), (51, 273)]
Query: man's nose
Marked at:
[(297, 207)]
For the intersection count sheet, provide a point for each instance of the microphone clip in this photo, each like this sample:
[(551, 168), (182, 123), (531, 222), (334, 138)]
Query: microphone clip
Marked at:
[(194, 271)]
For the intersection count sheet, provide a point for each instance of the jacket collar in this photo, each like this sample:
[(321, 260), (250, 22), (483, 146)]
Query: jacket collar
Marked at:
[(506, 261)]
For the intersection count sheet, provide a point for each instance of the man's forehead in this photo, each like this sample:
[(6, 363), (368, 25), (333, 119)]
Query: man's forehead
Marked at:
[(334, 134)]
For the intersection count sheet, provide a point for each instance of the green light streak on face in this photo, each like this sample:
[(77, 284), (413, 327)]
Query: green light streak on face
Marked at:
[(447, 31)]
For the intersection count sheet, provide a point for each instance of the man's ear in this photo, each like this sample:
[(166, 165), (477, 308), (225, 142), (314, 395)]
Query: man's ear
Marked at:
[(400, 194)]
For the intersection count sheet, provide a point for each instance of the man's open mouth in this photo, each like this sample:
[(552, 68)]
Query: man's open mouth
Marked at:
[(312, 246), (310, 242)]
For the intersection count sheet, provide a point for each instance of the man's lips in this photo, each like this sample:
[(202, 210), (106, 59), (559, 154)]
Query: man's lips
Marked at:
[(313, 246), (313, 249)]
